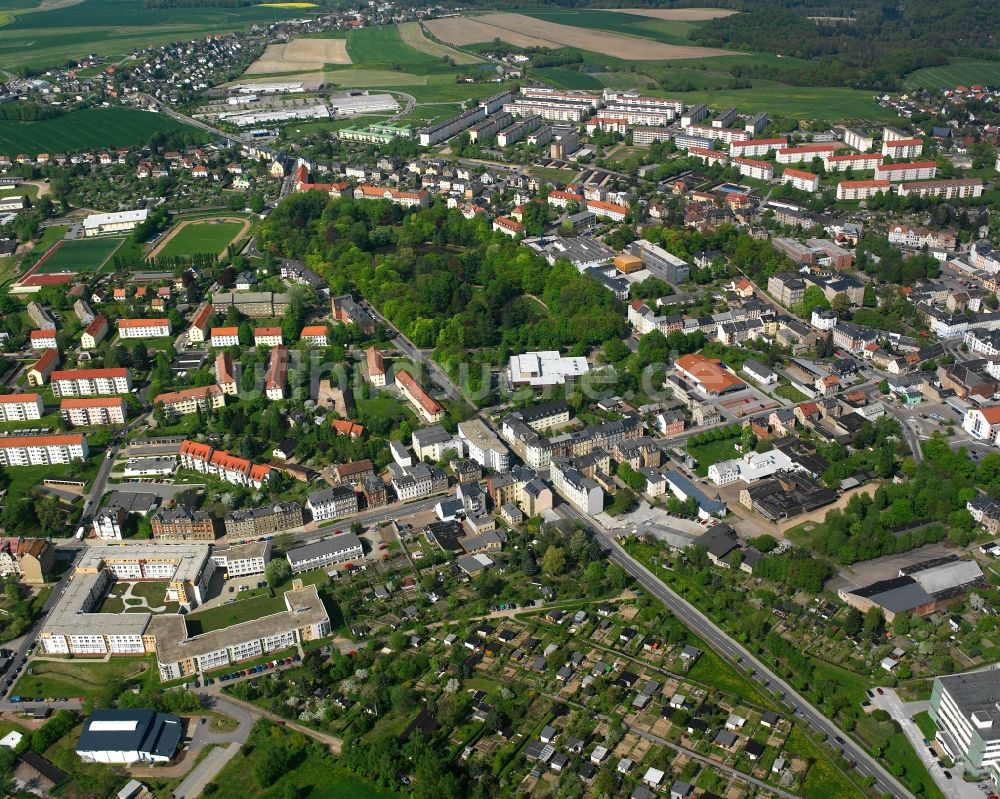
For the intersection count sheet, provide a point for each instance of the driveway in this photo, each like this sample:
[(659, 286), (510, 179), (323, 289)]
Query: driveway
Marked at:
[(903, 712)]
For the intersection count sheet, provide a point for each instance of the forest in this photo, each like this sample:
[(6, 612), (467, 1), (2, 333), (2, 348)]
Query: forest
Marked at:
[(446, 282)]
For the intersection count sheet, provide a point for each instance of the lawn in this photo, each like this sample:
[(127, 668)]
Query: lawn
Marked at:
[(318, 777), (790, 393), (552, 174), (73, 678), (706, 454), (823, 780), (201, 237), (565, 78), (80, 255), (712, 670), (962, 73), (92, 128), (926, 724), (231, 613), (898, 753)]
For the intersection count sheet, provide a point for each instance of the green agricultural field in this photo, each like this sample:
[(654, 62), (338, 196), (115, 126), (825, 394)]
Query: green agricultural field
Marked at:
[(667, 31), (92, 128), (826, 104), (567, 78), (201, 237), (81, 255), (382, 45), (112, 28), (962, 73)]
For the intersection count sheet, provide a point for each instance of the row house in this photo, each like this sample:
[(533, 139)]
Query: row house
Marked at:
[(916, 238), (959, 188), (231, 468)]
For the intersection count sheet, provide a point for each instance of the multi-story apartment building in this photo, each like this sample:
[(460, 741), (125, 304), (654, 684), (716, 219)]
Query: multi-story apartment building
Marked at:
[(343, 548), (728, 135), (544, 416), (375, 491), (376, 366), (316, 335), (255, 522), (959, 188), (903, 148), (94, 333), (858, 139), (21, 407), (522, 487), (181, 523), (787, 289), (580, 491), (84, 411), (43, 339), (428, 408), (606, 210), (431, 443), (90, 382), (804, 152), (419, 480), (30, 560), (550, 110), (42, 450), (348, 312), (644, 136), (917, 237), (255, 304), (483, 445), (143, 328), (755, 148), (864, 162), (964, 708), (440, 131), (332, 503), (407, 199), (42, 369), (190, 400), (800, 179), (277, 374), (179, 655), (758, 170), (225, 374), (267, 337), (861, 189), (915, 170), (708, 156), (208, 460), (517, 131), (225, 337), (243, 560), (199, 323)]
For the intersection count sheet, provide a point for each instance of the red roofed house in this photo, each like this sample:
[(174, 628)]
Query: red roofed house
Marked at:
[(376, 366), (508, 226), (983, 423), (345, 427), (708, 375), (425, 405), (199, 324), (39, 373), (43, 340), (315, 335)]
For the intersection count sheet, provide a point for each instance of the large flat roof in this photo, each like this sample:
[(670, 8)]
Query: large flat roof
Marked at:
[(977, 695)]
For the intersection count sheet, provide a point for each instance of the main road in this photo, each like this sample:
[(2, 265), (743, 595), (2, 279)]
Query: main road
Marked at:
[(735, 652)]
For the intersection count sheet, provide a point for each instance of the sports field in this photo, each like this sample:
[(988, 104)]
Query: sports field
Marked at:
[(78, 255), (963, 73), (92, 128), (198, 237)]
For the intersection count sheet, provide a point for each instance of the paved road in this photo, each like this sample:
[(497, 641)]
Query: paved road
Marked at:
[(912, 440), (734, 652)]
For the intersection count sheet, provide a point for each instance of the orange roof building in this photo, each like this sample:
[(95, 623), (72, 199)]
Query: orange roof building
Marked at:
[(708, 375)]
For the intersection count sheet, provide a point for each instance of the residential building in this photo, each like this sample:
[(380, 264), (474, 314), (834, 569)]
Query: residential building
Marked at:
[(787, 289), (800, 179), (964, 708), (253, 522), (199, 323), (483, 445), (86, 411), (348, 312), (759, 373), (181, 523), (958, 188), (583, 493), (42, 450), (41, 370), (44, 339), (267, 337), (407, 199), (917, 170), (30, 560), (242, 560), (225, 375), (21, 407), (225, 337), (758, 170), (208, 460), (432, 443), (861, 189), (94, 333), (332, 503), (88, 382), (427, 408), (983, 423), (277, 374), (190, 400), (376, 366), (903, 148), (315, 335), (343, 548), (143, 328)]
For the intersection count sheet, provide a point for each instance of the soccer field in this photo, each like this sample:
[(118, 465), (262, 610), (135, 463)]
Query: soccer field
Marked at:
[(196, 238), (80, 255)]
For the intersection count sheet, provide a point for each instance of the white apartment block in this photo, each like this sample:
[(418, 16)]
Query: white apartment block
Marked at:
[(728, 135), (964, 707), (190, 400), (755, 148), (483, 445), (551, 111), (86, 411), (806, 152), (959, 188), (651, 117), (918, 237), (579, 491), (759, 170), (631, 99), (920, 170), (903, 148), (42, 450), (225, 337), (801, 180), (861, 189), (707, 156), (858, 140), (21, 407), (90, 382), (267, 337), (143, 328), (606, 210), (243, 560), (865, 162)]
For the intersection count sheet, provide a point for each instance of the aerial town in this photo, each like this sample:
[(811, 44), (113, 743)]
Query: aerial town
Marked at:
[(414, 401)]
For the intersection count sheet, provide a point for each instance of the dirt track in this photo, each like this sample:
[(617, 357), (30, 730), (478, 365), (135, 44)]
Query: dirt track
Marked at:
[(160, 245), (678, 14), (460, 30), (300, 55)]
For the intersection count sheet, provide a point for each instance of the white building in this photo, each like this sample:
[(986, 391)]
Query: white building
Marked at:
[(243, 560), (758, 170), (965, 709), (90, 382), (225, 337), (129, 736), (85, 411), (343, 548), (917, 170), (545, 368), (903, 148), (143, 328), (750, 468), (113, 224), (983, 424), (578, 490), (861, 189), (800, 179), (42, 450), (483, 445), (332, 503), (21, 407)]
